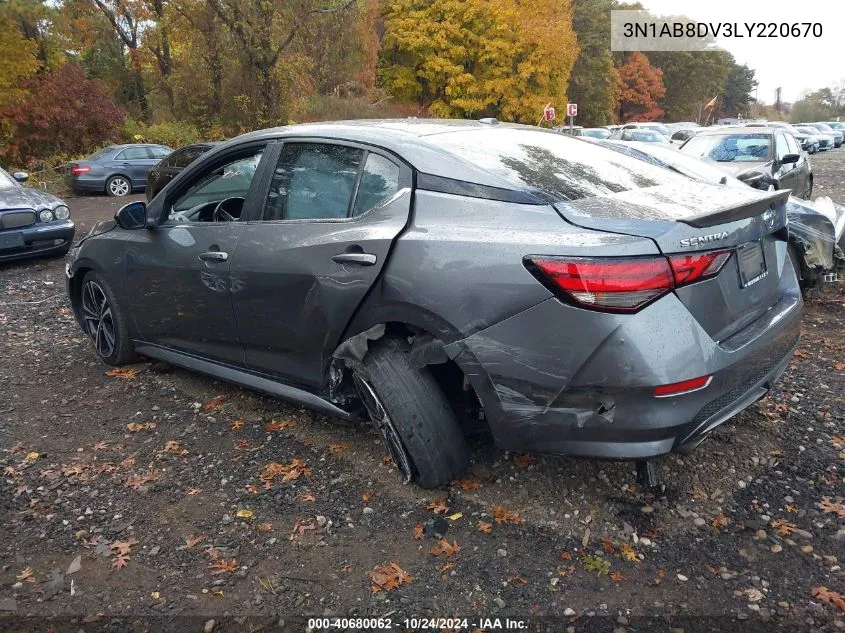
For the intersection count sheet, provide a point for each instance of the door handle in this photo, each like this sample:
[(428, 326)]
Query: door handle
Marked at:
[(214, 256), (363, 259)]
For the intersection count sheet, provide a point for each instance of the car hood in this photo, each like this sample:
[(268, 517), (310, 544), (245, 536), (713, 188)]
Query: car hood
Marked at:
[(27, 198)]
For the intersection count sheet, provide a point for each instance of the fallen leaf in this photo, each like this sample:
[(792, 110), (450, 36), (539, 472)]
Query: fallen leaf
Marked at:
[(829, 506), (336, 449), (784, 527), (484, 528), (123, 547), (194, 491), (222, 566), (31, 456), (628, 553), (136, 481), (523, 460), (456, 516), (174, 447), (445, 548), (617, 576), (134, 427), (100, 446), (438, 507), (120, 561), (216, 403), (720, 521), (565, 556), (124, 373), (265, 527), (278, 425), (418, 531), (566, 571), (26, 575), (446, 567), (368, 496), (466, 484), (790, 508), (301, 526), (502, 515), (607, 545), (388, 577), (596, 563), (831, 597), (193, 540), (306, 496), (517, 580), (244, 514), (127, 463), (236, 425), (285, 472)]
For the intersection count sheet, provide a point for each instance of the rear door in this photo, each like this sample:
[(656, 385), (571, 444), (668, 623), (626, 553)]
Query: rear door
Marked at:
[(305, 263), (134, 162)]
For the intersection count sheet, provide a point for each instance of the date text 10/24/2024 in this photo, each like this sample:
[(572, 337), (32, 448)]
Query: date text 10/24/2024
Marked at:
[(418, 624)]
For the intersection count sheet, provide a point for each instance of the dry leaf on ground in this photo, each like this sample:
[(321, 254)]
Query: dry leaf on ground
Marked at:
[(438, 507), (388, 577), (445, 548), (125, 373), (502, 515)]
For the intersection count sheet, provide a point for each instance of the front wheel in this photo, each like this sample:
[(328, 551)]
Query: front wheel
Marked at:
[(103, 321), (412, 415), (118, 186)]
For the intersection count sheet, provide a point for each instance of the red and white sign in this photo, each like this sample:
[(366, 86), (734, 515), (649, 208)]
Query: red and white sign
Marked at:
[(571, 109), (548, 113)]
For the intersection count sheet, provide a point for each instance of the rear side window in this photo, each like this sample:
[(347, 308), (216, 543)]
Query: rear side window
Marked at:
[(558, 167), (313, 181), (379, 181), (132, 153)]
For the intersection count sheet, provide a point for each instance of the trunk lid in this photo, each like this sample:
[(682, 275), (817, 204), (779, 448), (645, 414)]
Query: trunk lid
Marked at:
[(701, 217)]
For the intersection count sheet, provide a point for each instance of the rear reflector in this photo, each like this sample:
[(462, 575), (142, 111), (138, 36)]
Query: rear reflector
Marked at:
[(686, 386), (622, 284), (78, 170)]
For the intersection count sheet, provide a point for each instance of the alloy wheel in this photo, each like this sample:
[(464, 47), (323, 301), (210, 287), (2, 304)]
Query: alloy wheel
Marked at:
[(118, 187), (98, 318), (384, 424)]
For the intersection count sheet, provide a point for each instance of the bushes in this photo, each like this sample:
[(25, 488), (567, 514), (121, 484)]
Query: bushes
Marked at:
[(173, 134), (65, 112)]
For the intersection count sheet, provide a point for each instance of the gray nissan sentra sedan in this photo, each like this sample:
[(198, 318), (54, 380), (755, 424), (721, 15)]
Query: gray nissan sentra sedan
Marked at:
[(446, 276)]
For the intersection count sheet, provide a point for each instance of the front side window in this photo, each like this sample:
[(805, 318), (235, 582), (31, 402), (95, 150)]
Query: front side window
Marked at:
[(184, 157), (218, 188), (313, 181), (159, 152)]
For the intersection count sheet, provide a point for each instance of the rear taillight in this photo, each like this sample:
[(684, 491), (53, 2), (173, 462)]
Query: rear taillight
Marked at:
[(622, 284), (693, 267), (78, 170)]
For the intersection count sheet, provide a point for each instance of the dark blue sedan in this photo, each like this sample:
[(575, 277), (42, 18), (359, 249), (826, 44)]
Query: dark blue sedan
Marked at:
[(117, 169), (32, 222)]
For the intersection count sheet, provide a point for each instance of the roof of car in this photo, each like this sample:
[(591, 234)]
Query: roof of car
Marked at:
[(734, 129), (412, 139)]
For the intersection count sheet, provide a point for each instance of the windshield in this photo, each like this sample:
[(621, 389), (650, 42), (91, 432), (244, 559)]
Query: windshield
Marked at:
[(6, 181), (808, 130), (730, 148), (823, 127), (697, 168), (658, 127), (597, 133), (560, 167)]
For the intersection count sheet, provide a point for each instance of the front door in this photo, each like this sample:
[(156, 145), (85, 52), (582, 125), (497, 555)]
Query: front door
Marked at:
[(302, 268), (134, 162), (178, 274)]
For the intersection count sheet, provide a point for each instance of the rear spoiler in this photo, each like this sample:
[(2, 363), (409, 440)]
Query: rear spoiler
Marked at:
[(740, 212)]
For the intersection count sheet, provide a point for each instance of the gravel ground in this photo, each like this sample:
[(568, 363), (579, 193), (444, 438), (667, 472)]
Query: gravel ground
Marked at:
[(156, 499)]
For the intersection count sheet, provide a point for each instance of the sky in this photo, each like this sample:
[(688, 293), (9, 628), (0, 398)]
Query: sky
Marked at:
[(796, 65)]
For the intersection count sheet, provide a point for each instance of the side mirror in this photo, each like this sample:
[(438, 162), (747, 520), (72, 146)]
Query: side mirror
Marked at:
[(132, 216), (790, 158), (20, 176)]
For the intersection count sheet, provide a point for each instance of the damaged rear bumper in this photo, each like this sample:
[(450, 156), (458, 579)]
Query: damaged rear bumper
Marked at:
[(557, 392)]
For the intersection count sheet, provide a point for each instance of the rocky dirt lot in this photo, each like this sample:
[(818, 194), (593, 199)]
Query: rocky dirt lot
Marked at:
[(146, 499)]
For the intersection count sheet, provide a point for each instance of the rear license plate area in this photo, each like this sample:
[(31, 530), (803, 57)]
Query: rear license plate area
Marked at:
[(752, 263), (11, 240)]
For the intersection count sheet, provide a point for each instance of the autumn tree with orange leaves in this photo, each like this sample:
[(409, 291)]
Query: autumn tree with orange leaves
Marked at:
[(641, 87)]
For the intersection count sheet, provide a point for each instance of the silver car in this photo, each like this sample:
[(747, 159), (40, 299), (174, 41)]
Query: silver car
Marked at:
[(440, 276)]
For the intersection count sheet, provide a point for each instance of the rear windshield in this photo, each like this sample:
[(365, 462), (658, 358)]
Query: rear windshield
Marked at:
[(560, 168), (731, 148)]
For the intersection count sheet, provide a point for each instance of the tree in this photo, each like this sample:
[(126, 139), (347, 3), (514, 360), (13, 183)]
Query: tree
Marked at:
[(65, 112), (18, 62), (692, 78), (594, 84), (736, 95), (641, 87), (471, 58)]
